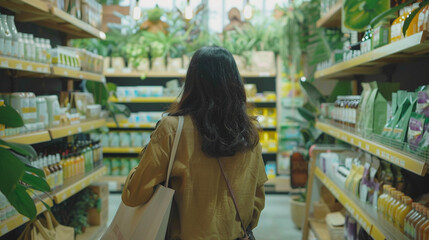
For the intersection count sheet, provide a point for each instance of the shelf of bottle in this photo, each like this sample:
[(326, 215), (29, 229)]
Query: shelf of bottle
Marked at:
[(122, 149), (56, 132), (181, 74), (395, 156), (371, 62), (24, 65), (29, 138), (332, 18), (77, 183), (43, 13), (47, 69), (143, 99), (359, 214), (77, 74), (363, 213), (59, 132), (131, 125), (18, 219)]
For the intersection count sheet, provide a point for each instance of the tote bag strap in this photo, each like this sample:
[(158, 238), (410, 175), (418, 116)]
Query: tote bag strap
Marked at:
[(174, 149), (232, 194)]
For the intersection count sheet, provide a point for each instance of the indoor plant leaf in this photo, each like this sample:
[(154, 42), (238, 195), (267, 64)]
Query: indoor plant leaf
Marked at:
[(39, 172), (357, 14), (389, 12), (23, 149), (11, 171), (413, 14), (313, 93), (36, 182), (22, 202), (10, 117), (306, 114), (342, 88)]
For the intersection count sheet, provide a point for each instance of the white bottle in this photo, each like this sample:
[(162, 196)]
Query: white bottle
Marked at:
[(37, 53), (27, 48), (2, 39), (32, 47), (21, 46), (8, 37), (48, 49), (14, 33)]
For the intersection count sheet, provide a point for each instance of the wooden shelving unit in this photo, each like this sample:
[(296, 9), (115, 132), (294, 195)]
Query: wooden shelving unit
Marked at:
[(122, 149), (56, 132), (395, 156), (131, 125), (144, 100), (76, 184), (44, 14), (29, 138), (69, 130), (42, 69), (177, 74), (332, 18), (76, 74), (320, 229), (371, 62)]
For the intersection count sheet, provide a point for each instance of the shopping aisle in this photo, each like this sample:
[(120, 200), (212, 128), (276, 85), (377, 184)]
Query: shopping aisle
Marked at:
[(275, 222)]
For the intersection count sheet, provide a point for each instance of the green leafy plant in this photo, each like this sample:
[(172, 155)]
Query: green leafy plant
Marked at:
[(17, 176), (74, 211), (357, 14), (101, 93)]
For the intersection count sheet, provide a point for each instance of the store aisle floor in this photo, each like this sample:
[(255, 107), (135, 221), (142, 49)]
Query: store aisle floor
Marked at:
[(275, 222)]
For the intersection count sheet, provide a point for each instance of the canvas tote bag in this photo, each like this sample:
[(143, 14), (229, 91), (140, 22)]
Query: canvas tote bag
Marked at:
[(148, 221), (47, 229)]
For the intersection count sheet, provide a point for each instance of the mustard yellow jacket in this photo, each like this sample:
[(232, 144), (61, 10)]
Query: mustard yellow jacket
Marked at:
[(202, 206)]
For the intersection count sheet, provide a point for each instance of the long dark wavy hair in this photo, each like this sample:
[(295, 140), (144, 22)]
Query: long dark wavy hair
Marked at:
[(214, 96)]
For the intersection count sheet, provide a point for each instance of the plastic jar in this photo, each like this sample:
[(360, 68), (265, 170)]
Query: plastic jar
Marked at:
[(42, 111), (53, 110)]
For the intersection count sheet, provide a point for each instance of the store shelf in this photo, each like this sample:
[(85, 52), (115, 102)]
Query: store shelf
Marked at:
[(69, 130), (397, 157), (29, 138), (71, 73), (332, 18), (18, 220), (365, 215), (122, 149), (131, 125), (76, 184), (178, 74), (43, 13), (92, 232), (115, 182), (371, 62), (144, 100), (320, 229), (147, 75), (23, 65), (359, 214)]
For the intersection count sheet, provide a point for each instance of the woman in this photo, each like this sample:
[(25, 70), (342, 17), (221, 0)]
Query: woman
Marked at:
[(216, 125)]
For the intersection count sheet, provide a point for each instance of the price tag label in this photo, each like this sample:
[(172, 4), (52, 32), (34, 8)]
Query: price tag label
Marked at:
[(46, 70), (73, 191), (66, 73), (4, 229), (82, 185), (39, 69), (30, 68), (80, 76), (70, 132), (264, 74), (19, 66), (4, 64), (79, 129)]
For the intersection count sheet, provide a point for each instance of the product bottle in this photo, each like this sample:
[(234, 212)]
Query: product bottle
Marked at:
[(426, 230), (396, 206), (420, 223), (403, 212), (21, 46), (393, 206), (15, 38), (47, 171), (382, 199), (63, 163), (413, 27), (2, 39), (60, 170), (37, 50), (48, 49), (53, 171), (408, 218), (7, 37), (425, 224), (389, 200), (32, 47), (416, 220)]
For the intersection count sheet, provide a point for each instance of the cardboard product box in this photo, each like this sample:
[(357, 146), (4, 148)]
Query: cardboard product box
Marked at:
[(99, 215), (335, 222), (330, 200)]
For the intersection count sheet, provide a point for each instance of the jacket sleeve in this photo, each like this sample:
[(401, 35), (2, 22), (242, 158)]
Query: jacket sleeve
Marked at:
[(259, 202), (152, 169)]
